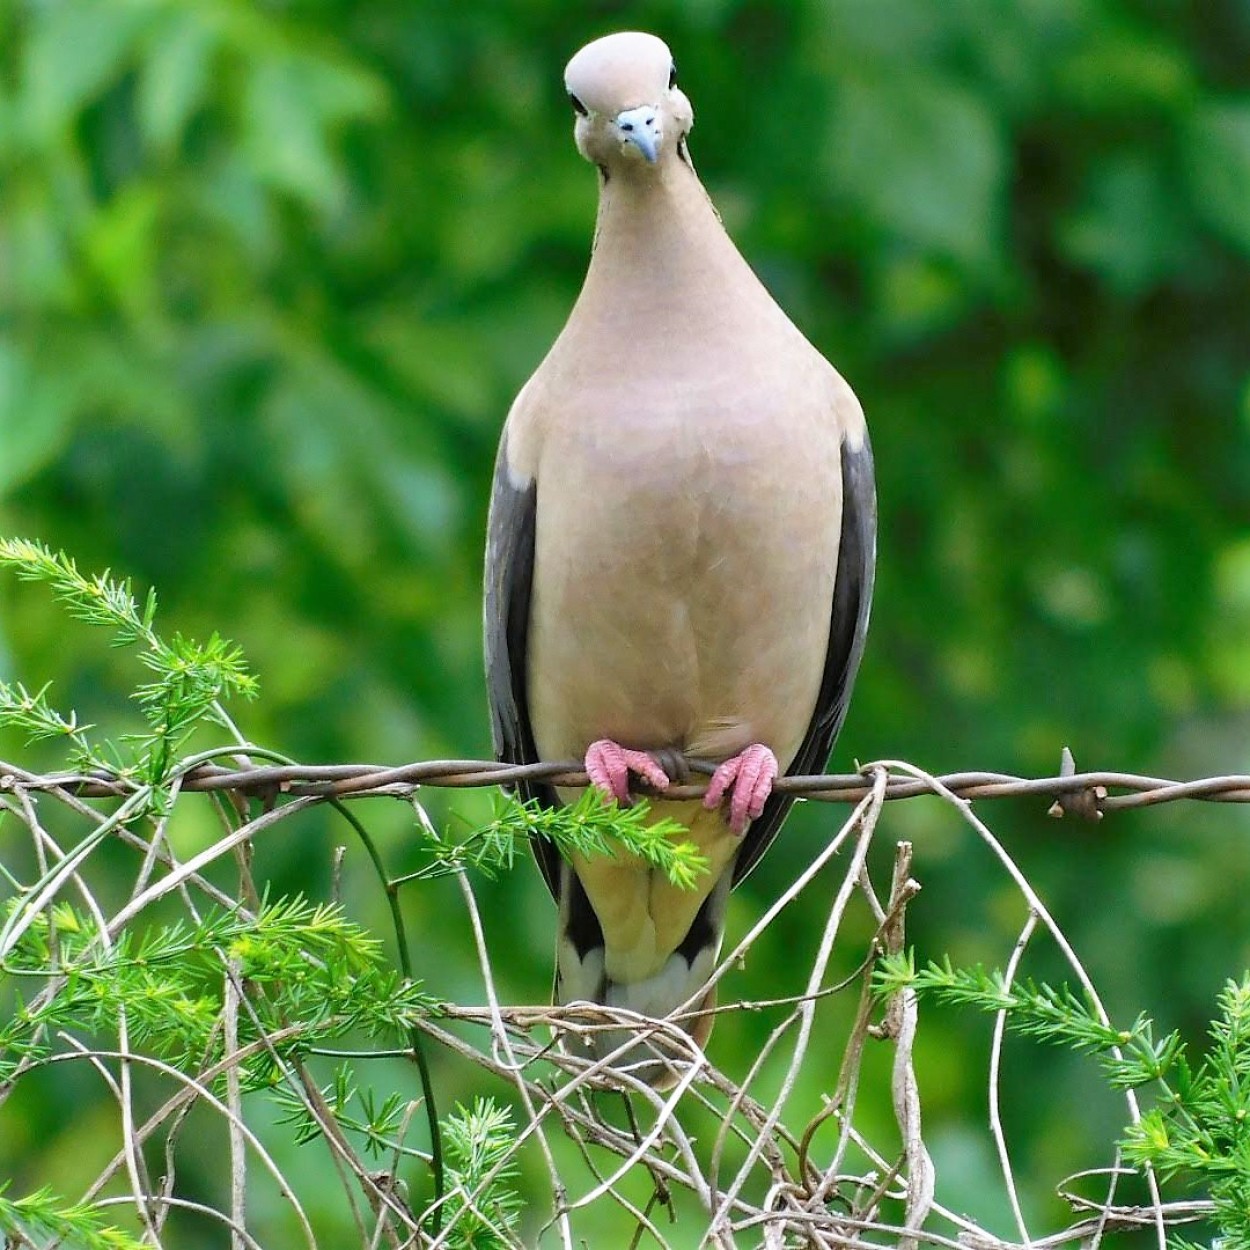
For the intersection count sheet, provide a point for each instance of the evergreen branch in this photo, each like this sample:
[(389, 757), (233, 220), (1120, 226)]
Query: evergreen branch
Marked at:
[(42, 1214), (32, 714), (482, 1174), (323, 971), (191, 679), (353, 1109), (1049, 1014), (1202, 1128), (597, 826), (97, 600)]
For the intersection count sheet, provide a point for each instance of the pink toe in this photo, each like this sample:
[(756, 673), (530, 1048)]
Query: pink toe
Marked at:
[(644, 766), (608, 765), (722, 779), (751, 774), (755, 781), (606, 770)]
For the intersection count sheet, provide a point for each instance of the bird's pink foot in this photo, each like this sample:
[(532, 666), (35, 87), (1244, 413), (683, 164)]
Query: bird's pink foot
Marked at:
[(608, 765), (751, 776)]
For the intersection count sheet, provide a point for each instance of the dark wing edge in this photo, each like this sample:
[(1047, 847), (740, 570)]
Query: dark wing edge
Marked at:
[(848, 628), (509, 578)]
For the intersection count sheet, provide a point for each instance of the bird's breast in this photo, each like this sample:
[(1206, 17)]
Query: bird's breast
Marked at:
[(683, 578)]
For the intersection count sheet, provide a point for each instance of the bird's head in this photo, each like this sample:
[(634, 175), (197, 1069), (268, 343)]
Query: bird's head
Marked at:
[(630, 112)]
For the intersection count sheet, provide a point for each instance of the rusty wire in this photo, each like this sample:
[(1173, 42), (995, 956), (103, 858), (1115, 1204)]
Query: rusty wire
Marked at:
[(1086, 794)]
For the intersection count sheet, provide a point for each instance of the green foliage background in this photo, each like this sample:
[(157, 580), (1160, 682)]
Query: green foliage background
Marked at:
[(270, 275)]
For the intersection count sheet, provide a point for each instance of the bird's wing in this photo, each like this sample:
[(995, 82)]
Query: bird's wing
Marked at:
[(509, 579)]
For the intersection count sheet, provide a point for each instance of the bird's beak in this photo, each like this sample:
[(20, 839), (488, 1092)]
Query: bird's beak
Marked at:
[(644, 129)]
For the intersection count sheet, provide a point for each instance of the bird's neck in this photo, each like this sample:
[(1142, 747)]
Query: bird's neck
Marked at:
[(660, 250)]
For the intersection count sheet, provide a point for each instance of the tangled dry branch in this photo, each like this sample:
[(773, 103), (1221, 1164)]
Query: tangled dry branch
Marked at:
[(739, 1157)]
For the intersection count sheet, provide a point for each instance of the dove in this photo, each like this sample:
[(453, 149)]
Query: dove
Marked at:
[(681, 547)]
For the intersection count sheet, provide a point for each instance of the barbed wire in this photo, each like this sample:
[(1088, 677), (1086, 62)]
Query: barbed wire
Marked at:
[(1088, 795)]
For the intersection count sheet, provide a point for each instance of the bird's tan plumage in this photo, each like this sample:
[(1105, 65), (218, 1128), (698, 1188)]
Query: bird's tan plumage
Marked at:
[(681, 456)]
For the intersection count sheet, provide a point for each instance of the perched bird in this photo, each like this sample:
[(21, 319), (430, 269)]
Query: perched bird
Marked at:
[(680, 549)]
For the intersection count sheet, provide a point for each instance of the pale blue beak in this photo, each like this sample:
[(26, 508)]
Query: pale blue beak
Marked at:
[(644, 129)]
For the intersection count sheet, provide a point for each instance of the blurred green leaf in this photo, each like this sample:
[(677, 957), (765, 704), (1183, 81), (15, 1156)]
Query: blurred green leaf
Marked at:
[(1128, 226), (1118, 70), (1218, 156), (34, 417), (1230, 656), (122, 246), (76, 49), (295, 105), (174, 76), (924, 158)]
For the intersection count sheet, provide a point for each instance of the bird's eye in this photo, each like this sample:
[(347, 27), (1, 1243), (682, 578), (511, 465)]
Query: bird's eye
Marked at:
[(672, 76), (578, 107)]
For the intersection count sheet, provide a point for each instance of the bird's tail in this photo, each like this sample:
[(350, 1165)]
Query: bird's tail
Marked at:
[(641, 966)]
